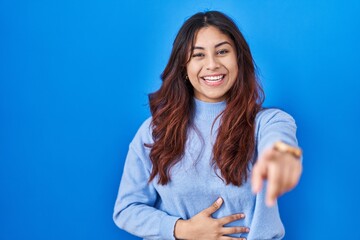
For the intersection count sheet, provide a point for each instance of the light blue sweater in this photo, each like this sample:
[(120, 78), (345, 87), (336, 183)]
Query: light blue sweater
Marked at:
[(151, 210)]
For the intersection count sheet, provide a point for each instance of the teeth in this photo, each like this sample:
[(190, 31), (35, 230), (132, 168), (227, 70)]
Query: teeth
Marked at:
[(214, 78)]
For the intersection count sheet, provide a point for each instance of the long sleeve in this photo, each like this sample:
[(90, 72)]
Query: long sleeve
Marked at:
[(275, 125), (134, 209)]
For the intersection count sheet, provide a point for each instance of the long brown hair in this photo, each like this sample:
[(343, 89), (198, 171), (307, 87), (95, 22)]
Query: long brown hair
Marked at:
[(172, 106)]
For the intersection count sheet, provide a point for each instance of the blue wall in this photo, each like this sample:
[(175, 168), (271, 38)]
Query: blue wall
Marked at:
[(74, 79)]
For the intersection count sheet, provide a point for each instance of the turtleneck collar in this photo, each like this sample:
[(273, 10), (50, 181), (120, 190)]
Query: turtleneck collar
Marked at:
[(208, 110)]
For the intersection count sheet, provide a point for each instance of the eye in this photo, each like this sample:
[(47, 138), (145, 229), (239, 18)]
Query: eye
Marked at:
[(198, 55), (222, 51)]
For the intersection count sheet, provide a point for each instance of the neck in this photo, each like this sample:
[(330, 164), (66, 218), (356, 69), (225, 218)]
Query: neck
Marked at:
[(208, 110)]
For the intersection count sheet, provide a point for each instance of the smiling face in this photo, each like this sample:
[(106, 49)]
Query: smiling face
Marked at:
[(213, 68)]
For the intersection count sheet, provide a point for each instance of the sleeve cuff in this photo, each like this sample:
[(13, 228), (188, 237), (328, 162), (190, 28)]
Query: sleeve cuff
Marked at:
[(167, 227)]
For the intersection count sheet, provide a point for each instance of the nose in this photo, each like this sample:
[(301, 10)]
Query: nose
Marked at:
[(212, 63)]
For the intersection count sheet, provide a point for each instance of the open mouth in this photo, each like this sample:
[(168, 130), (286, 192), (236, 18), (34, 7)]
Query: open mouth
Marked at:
[(214, 80)]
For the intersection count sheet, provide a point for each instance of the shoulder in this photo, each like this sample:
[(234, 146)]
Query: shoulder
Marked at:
[(273, 117), (143, 134), (273, 125), (269, 115), (145, 127)]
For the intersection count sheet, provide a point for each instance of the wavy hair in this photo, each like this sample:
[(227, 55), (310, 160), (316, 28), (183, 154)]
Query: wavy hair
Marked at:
[(172, 106)]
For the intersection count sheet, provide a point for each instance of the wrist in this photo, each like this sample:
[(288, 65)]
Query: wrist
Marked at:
[(180, 229)]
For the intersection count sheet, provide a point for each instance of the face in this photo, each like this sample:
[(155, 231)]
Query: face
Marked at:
[(212, 69)]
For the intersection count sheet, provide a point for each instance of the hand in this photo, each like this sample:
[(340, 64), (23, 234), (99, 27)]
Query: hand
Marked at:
[(282, 171), (203, 226)]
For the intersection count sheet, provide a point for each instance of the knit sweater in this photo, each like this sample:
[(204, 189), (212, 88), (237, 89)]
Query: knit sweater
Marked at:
[(150, 210)]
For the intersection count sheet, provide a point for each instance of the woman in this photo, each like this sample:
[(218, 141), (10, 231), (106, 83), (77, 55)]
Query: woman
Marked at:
[(188, 169)]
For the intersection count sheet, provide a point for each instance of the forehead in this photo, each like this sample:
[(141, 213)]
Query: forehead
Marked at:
[(210, 36)]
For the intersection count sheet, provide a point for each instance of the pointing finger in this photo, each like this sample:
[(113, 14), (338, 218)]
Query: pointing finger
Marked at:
[(273, 187), (258, 176)]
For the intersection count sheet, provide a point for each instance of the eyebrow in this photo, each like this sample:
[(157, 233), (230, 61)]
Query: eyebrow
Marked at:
[(217, 45)]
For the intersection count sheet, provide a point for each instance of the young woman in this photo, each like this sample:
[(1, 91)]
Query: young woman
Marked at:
[(195, 169)]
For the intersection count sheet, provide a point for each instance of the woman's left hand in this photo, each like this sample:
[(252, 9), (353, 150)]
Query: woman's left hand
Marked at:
[(282, 171)]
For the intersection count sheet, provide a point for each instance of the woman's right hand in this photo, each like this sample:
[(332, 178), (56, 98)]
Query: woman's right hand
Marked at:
[(204, 226)]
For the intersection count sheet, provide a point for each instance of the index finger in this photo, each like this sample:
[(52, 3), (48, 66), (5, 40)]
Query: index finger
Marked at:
[(258, 175), (259, 172), (273, 186)]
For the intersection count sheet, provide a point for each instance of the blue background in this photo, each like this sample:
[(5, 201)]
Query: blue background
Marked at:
[(74, 79)]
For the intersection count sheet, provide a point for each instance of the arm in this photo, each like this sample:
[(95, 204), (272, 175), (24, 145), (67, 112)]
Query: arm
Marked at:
[(282, 169), (134, 209)]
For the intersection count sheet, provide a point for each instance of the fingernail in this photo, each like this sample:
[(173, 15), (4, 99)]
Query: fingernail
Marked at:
[(219, 200), (255, 188), (242, 215), (247, 229), (270, 203)]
